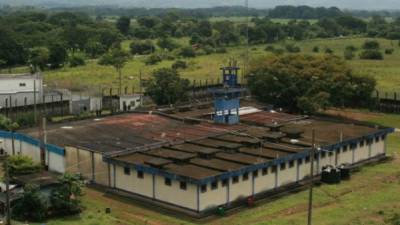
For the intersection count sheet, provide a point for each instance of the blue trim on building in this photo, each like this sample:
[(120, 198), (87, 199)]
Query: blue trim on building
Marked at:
[(249, 169), (32, 141)]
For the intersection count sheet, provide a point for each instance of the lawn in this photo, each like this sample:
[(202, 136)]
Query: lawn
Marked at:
[(372, 196)]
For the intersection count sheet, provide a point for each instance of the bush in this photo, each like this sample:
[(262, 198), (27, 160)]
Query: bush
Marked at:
[(187, 52), (167, 43), (153, 59), (351, 48), (179, 65), (221, 50), (395, 220), (76, 61), (32, 206), (315, 49), (371, 55), (371, 45), (293, 48), (208, 49), (26, 119), (329, 51), (389, 51), (279, 51), (65, 198), (21, 165), (142, 47), (348, 54), (269, 48)]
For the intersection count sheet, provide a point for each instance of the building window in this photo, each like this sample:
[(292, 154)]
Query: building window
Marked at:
[(255, 173), (299, 162), (274, 168), (22, 84), (183, 185), (167, 181), (203, 188), (127, 171), (307, 159), (214, 185), (376, 139), (362, 143), (330, 153), (323, 154), (235, 179), (224, 182), (291, 164), (283, 166), (140, 174), (245, 176), (345, 148), (264, 171)]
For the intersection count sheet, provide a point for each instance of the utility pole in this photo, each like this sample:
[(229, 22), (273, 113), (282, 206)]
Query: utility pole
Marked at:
[(247, 39), (7, 180), (34, 100), (310, 197), (140, 88)]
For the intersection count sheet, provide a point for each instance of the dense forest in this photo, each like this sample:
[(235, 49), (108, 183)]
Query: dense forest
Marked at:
[(47, 39)]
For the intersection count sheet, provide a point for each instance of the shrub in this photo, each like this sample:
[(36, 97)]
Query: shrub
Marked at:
[(32, 206), (76, 61), (142, 47), (371, 55), (351, 48), (221, 50), (293, 48), (329, 51), (208, 49), (153, 59), (279, 51), (389, 51), (315, 49), (348, 54), (371, 45), (179, 65), (187, 52), (269, 48), (21, 165), (65, 199)]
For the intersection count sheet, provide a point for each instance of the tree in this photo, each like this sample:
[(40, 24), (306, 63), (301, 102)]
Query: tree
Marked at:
[(371, 55), (167, 43), (308, 83), (142, 47), (148, 22), (65, 199), (123, 24), (12, 53), (7, 124), (166, 87), (117, 58), (94, 48), (58, 55), (76, 60), (371, 45), (187, 52), (39, 58), (32, 206)]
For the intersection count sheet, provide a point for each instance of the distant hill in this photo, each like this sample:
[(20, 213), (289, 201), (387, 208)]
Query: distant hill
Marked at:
[(344, 4)]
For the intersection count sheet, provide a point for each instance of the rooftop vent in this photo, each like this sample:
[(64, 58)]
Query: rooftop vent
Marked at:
[(293, 133)]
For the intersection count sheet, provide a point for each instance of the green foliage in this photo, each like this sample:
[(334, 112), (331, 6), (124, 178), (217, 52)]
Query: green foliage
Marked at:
[(12, 51), (166, 87), (58, 55), (348, 54), (395, 220), (142, 47), (292, 48), (21, 165), (389, 51), (351, 48), (7, 124), (179, 65), (153, 59), (329, 51), (187, 52), (94, 48), (65, 199), (371, 55), (371, 45), (39, 57), (123, 24), (221, 50), (315, 49), (26, 119), (76, 60), (308, 83), (32, 206), (269, 48), (116, 57), (167, 43)]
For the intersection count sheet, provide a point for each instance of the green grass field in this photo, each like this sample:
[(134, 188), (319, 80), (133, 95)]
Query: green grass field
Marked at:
[(372, 196), (93, 76)]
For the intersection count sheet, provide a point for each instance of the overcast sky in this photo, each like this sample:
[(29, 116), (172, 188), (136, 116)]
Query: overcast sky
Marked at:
[(344, 4)]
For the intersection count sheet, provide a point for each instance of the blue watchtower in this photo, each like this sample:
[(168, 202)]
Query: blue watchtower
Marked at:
[(227, 98)]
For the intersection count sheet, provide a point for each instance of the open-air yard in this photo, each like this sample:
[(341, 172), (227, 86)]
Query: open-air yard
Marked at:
[(372, 196)]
